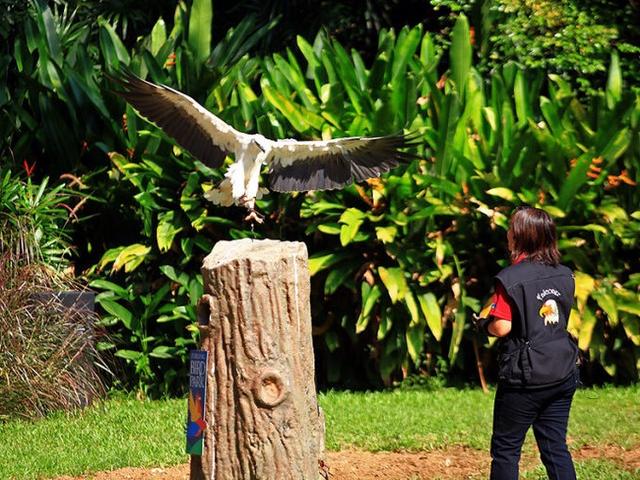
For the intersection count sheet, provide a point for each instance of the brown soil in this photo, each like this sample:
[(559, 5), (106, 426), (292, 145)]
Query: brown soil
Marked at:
[(453, 463), (627, 459)]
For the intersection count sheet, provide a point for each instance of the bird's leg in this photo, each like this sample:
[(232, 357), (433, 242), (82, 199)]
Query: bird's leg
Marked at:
[(253, 215), (252, 178)]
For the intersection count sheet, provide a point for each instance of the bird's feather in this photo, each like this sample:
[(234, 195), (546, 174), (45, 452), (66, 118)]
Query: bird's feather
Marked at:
[(327, 165), (204, 135)]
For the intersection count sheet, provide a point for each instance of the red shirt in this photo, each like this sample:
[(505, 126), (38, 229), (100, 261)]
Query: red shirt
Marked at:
[(502, 305)]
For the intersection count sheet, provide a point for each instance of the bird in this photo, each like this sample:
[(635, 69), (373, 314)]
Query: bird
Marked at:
[(293, 165)]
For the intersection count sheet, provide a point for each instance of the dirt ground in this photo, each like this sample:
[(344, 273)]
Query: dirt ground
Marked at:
[(454, 463)]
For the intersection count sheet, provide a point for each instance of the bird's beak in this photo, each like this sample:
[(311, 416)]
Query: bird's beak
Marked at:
[(545, 310)]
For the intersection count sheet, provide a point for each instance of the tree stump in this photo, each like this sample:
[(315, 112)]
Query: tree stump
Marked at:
[(264, 422)]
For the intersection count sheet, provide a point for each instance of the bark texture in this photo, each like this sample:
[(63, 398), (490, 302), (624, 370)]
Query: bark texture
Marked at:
[(255, 320)]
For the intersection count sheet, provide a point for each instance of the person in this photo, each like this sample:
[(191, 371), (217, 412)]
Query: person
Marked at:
[(537, 371)]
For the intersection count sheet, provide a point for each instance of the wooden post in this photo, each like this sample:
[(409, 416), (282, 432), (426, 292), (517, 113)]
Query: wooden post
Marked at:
[(263, 417), (476, 351)]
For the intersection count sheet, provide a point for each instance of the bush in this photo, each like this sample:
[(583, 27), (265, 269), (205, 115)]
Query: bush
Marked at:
[(48, 357), (573, 38), (33, 221)]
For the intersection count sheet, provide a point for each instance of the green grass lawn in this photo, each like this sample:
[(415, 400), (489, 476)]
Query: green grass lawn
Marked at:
[(124, 432)]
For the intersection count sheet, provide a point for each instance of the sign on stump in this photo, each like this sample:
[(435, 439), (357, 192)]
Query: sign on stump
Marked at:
[(263, 417), (196, 423)]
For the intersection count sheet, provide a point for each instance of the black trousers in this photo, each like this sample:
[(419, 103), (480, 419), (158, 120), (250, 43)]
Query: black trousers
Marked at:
[(547, 410)]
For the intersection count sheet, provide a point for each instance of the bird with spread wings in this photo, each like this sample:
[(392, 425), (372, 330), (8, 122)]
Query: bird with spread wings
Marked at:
[(293, 165)]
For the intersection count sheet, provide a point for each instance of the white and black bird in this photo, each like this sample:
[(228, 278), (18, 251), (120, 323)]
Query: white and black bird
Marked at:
[(293, 165)]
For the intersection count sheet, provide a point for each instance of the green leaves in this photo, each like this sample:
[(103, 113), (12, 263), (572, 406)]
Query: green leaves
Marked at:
[(460, 54), (370, 296), (169, 226), (521, 99), (129, 257), (431, 311), (300, 119), (47, 25), (321, 261), (200, 23), (415, 342), (614, 82), (607, 302), (117, 310), (112, 47), (351, 221), (158, 36), (395, 282), (386, 234), (34, 226), (502, 192), (577, 178), (586, 330)]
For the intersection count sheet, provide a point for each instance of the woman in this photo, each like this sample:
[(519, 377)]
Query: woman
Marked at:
[(537, 357)]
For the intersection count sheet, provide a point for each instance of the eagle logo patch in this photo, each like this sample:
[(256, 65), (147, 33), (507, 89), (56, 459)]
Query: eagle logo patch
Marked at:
[(549, 311)]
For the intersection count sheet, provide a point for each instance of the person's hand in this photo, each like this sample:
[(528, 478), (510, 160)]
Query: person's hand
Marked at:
[(482, 323)]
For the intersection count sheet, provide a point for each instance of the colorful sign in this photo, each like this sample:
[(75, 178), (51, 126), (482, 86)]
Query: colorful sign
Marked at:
[(196, 423)]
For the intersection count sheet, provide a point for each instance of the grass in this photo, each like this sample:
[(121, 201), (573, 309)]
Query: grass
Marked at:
[(124, 432), (422, 420), (116, 433), (588, 470), (407, 420)]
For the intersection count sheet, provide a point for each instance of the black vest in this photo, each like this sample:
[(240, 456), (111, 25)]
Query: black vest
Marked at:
[(538, 351)]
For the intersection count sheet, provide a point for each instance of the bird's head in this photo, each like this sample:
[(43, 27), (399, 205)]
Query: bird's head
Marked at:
[(546, 309)]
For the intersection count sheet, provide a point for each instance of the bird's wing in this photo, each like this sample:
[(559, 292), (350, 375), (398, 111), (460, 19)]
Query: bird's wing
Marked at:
[(326, 165), (196, 129)]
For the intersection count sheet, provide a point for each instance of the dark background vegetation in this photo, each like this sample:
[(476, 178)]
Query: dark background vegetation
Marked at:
[(434, 231)]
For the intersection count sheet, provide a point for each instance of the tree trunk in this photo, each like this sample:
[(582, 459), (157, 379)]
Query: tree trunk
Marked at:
[(263, 418)]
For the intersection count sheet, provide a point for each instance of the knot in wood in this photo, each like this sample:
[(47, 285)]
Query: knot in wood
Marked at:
[(269, 389)]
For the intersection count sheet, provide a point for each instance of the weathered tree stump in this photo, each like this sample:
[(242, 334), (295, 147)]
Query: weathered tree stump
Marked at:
[(255, 321)]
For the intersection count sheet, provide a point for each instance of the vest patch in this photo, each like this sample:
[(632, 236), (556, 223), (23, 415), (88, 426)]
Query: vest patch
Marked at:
[(549, 311)]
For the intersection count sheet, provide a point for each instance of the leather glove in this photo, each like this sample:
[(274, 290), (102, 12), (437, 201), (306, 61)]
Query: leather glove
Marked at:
[(482, 323)]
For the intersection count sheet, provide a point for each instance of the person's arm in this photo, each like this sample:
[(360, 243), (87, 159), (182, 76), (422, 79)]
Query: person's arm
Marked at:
[(499, 327)]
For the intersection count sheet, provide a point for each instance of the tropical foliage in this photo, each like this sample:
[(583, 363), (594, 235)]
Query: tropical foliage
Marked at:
[(398, 264), (568, 37), (35, 221)]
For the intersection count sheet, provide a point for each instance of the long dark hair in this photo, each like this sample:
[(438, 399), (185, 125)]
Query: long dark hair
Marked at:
[(532, 232)]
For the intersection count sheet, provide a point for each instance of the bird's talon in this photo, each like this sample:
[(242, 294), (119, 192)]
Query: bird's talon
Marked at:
[(254, 217)]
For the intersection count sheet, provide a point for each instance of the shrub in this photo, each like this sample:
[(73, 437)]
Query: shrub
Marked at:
[(48, 357), (567, 37), (33, 221)]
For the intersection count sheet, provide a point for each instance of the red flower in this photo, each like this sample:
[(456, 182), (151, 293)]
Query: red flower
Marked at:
[(171, 60), (28, 168)]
